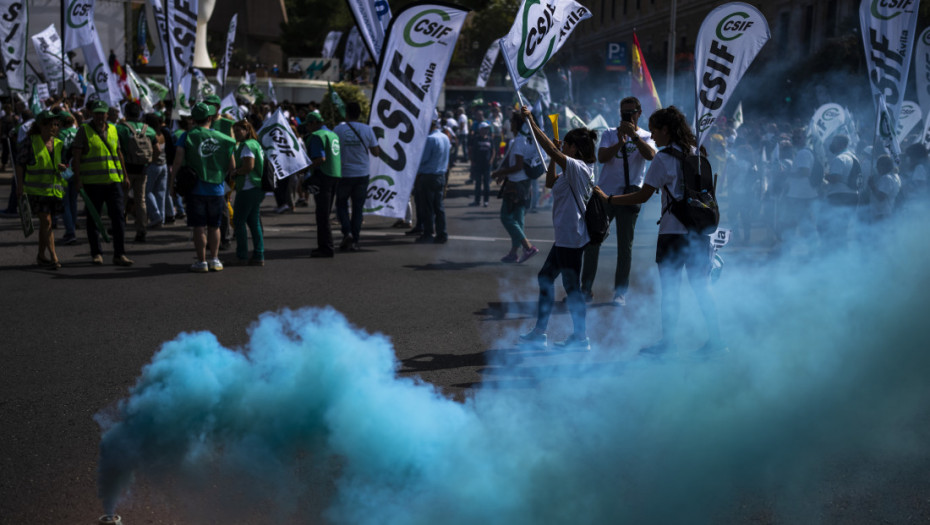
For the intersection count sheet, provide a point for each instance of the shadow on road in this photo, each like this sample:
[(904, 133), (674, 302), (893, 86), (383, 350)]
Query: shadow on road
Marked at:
[(452, 265)]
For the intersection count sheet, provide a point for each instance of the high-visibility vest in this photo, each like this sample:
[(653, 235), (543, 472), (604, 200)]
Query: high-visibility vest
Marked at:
[(42, 178), (100, 163)]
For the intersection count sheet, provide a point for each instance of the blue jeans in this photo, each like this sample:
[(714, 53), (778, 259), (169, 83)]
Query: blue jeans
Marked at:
[(246, 217), (71, 208), (567, 262), (432, 188), (513, 217), (156, 192), (355, 188), (482, 184)]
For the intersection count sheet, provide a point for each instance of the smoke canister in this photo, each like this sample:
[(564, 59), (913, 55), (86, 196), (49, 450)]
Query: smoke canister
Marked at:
[(110, 520)]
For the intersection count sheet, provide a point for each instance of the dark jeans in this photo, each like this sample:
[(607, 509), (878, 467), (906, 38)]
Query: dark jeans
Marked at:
[(71, 207), (625, 217), (482, 184), (675, 252), (284, 191), (112, 195), (565, 261), (355, 188), (418, 201), (432, 188), (323, 200)]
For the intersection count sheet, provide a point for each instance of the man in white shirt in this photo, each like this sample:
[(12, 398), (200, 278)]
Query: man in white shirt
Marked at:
[(623, 151), (841, 191), (884, 187), (463, 131), (803, 185), (357, 141)]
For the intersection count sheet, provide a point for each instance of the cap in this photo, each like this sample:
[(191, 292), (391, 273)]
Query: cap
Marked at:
[(313, 116), (483, 125), (99, 106), (63, 115), (495, 104), (45, 115), (202, 111), (212, 99)]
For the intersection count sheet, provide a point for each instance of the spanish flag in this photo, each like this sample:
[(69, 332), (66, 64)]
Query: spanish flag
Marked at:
[(642, 87)]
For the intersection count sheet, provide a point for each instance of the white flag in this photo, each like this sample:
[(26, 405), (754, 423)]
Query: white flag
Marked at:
[(538, 32), (354, 49), (728, 41), (282, 147), (48, 46), (827, 121), (371, 20), (540, 84), (141, 89), (79, 27), (230, 106), (737, 119), (14, 24), (271, 93), (487, 64), (329, 45), (99, 75), (411, 77), (162, 23), (182, 32), (204, 87), (230, 40), (922, 75), (908, 118), (885, 132)]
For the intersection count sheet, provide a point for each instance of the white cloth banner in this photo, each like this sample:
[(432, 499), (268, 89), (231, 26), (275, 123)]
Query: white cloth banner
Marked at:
[(922, 75), (271, 94), (282, 147), (329, 45), (227, 56), (538, 32), (827, 120), (182, 32), (540, 84), (161, 23), (885, 132), (487, 64), (229, 106), (371, 21), (142, 90), (204, 87), (79, 27), (99, 75), (908, 118), (14, 24), (728, 41), (417, 52), (355, 53), (48, 46)]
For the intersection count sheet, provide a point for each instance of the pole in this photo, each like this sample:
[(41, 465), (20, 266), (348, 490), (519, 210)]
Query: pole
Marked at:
[(64, 80), (670, 66), (513, 79)]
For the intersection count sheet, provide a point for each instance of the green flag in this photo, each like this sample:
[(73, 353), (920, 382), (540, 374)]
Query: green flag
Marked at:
[(337, 101), (34, 105)]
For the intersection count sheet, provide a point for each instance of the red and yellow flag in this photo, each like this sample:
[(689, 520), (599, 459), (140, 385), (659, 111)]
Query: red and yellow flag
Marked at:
[(642, 87)]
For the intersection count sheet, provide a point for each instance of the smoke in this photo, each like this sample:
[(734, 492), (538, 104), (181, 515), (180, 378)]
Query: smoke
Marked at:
[(817, 409)]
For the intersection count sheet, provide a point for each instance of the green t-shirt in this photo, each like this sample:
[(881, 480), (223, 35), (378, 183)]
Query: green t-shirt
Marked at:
[(255, 176), (207, 152), (332, 166)]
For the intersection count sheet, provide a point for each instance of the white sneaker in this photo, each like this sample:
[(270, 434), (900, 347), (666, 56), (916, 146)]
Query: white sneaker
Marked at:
[(215, 265), (200, 267)]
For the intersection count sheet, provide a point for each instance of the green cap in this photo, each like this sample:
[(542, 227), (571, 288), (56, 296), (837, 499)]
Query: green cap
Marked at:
[(63, 115), (45, 115), (212, 99), (202, 111), (313, 116), (98, 106)]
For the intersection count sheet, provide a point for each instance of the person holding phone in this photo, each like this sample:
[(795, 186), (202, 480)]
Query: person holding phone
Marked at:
[(623, 151)]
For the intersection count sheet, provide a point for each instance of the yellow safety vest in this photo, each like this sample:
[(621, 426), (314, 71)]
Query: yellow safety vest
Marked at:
[(100, 163), (42, 178)]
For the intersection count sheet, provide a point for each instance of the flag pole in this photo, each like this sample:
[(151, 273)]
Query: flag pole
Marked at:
[(63, 29), (513, 78)]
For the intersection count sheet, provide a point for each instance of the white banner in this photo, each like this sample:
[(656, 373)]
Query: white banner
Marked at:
[(204, 87), (162, 23), (48, 46), (540, 84), (79, 27), (230, 106), (329, 45), (728, 41), (99, 75), (271, 94), (417, 51), (282, 146), (827, 120), (182, 32), (42, 91), (371, 20), (888, 31), (14, 24), (142, 90), (355, 52), (230, 40), (908, 118), (922, 75), (487, 64), (538, 32)]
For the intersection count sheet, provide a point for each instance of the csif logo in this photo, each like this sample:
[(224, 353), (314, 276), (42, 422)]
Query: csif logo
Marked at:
[(538, 38), (888, 9), (100, 78), (380, 194), (427, 27), (209, 146), (707, 120), (830, 114), (733, 26), (280, 138), (907, 110), (335, 147), (926, 37), (78, 10)]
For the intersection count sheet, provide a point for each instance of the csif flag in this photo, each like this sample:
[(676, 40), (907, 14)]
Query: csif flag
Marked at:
[(908, 118), (282, 147), (271, 94), (79, 29), (229, 106), (181, 21), (329, 45), (728, 41), (372, 18), (487, 64), (98, 74), (642, 86), (227, 56), (885, 131), (538, 32), (413, 65), (48, 46), (141, 89), (161, 23), (14, 23)]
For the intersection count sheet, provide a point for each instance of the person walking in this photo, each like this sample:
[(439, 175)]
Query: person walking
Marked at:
[(97, 162), (515, 193), (326, 171), (357, 141), (139, 145), (432, 176), (250, 161), (570, 192)]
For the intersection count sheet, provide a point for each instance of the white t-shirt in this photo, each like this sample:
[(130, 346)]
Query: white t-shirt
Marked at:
[(568, 203), (665, 170), (888, 185), (523, 147), (841, 165), (612, 179), (463, 124), (354, 153), (247, 153), (799, 186)]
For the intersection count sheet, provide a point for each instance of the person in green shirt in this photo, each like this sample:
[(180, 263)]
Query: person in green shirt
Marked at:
[(250, 163), (137, 161), (326, 170), (210, 154)]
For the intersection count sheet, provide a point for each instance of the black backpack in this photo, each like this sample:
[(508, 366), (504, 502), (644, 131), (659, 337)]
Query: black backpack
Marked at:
[(697, 209), (595, 217)]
